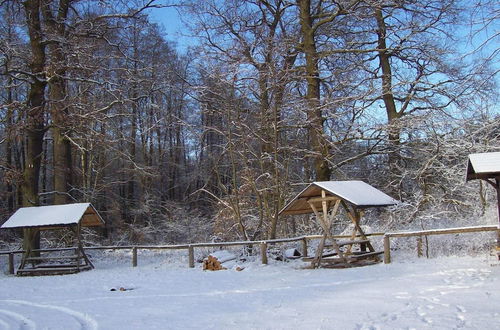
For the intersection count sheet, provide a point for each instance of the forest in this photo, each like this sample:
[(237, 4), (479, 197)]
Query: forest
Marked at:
[(208, 141)]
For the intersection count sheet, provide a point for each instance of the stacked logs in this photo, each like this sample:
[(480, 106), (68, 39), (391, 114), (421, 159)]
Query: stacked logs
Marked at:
[(216, 260), (212, 263)]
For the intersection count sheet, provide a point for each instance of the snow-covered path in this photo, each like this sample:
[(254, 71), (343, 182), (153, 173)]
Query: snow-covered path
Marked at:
[(443, 293)]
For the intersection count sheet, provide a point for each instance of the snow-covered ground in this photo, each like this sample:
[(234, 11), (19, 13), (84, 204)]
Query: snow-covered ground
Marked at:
[(440, 293)]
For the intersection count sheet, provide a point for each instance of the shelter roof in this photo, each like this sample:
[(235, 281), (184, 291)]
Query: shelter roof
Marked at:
[(55, 216), (483, 166), (358, 193)]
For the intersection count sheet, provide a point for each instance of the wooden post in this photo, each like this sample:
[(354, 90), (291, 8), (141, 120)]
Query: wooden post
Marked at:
[(11, 263), (263, 252), (77, 256), (498, 244), (191, 256), (304, 247), (134, 256), (419, 246), (497, 181), (387, 250)]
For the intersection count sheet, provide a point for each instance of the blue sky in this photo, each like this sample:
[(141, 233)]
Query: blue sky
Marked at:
[(175, 29)]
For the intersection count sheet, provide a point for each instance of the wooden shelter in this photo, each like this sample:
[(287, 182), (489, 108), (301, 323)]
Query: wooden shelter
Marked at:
[(41, 218), (324, 199), (486, 167)]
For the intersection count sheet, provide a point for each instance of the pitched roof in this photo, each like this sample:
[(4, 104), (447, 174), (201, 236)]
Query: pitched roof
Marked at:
[(358, 193), (483, 165), (55, 216)]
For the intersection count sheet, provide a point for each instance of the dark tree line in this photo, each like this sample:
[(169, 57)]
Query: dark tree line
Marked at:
[(98, 106)]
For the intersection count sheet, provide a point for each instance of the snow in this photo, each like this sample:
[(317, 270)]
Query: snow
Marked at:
[(486, 162), (223, 255), (357, 192), (36, 216), (441, 293)]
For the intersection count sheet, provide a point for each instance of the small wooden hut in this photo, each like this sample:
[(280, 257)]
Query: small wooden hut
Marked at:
[(486, 167), (324, 199), (42, 218)]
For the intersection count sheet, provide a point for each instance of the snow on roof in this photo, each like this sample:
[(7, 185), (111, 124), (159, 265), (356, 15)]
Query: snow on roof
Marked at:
[(483, 165), (358, 193), (55, 215)]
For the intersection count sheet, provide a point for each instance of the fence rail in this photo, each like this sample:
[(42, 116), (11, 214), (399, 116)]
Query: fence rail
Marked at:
[(446, 231), (263, 244)]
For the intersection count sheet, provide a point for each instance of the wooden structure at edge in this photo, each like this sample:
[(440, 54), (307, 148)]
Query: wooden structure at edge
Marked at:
[(324, 200), (486, 167), (36, 262)]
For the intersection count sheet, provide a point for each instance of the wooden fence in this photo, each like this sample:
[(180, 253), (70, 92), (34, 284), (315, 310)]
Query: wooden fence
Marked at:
[(422, 233), (263, 245)]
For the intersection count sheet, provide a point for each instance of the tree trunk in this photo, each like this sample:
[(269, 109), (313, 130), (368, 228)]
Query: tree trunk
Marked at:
[(62, 148), (394, 131), (58, 94), (35, 125), (315, 118)]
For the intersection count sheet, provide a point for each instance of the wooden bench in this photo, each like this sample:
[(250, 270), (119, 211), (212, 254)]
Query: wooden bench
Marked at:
[(54, 265), (329, 258), (58, 270), (358, 255)]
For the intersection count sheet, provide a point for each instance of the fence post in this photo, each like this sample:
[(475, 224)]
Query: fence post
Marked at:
[(387, 249), (191, 256), (11, 263), (497, 248), (134, 256), (419, 246), (263, 252), (304, 247)]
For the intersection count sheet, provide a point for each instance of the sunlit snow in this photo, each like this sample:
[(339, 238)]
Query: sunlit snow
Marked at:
[(440, 293)]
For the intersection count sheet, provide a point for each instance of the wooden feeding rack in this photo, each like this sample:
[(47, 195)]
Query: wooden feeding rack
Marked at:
[(33, 220), (486, 166), (324, 200)]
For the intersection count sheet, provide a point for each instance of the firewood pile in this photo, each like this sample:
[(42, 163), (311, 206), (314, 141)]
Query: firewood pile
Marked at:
[(216, 260), (212, 263)]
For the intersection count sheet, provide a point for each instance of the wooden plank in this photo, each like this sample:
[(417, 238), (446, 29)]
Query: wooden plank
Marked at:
[(51, 271), (365, 255), (53, 265), (45, 269), (310, 237), (334, 260), (322, 199), (343, 243), (444, 231), (75, 257)]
